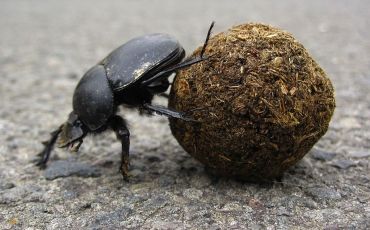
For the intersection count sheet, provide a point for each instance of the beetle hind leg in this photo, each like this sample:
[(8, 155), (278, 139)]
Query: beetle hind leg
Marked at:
[(119, 126), (207, 39)]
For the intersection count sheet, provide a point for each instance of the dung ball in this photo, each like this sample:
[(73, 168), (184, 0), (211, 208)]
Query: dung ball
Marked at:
[(260, 100)]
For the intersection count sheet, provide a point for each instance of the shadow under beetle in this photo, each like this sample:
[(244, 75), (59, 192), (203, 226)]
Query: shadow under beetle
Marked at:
[(130, 75)]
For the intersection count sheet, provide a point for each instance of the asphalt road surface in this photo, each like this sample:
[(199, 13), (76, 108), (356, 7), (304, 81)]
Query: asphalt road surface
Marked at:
[(46, 46)]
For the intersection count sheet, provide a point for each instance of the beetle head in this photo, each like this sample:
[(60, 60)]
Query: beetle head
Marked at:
[(72, 133)]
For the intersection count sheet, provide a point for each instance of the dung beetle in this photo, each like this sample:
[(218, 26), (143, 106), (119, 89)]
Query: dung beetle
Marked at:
[(130, 75)]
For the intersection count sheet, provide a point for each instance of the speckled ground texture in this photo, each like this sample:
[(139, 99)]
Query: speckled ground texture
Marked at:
[(45, 46)]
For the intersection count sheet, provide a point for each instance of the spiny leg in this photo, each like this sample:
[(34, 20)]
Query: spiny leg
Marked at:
[(164, 73), (45, 153), (119, 126), (207, 39), (166, 112)]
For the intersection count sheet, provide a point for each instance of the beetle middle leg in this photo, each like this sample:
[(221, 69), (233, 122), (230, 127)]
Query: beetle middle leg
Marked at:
[(119, 126), (160, 110)]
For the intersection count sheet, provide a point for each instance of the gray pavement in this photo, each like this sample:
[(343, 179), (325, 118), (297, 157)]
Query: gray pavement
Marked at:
[(45, 46)]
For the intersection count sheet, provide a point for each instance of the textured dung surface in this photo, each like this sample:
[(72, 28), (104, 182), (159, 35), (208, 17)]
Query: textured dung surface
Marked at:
[(45, 48), (265, 102)]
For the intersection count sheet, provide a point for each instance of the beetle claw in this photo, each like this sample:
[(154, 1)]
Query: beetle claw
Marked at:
[(39, 161), (74, 147), (41, 166), (124, 172), (124, 169)]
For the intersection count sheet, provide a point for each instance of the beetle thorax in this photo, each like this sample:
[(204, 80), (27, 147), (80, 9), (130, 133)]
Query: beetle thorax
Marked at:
[(93, 98)]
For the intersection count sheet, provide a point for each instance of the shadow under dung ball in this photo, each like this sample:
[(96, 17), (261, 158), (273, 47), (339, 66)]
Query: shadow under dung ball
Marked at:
[(263, 103)]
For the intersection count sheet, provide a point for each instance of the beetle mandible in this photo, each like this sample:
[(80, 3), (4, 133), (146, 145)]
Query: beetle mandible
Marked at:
[(130, 75)]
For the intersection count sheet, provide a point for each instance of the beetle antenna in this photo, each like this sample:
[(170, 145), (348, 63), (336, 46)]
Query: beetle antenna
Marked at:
[(207, 39)]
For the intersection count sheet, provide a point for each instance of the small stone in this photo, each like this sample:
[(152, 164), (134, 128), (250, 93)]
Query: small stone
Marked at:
[(59, 223), (314, 215), (141, 186), (68, 194), (332, 227), (363, 199), (153, 158), (27, 192), (62, 168), (359, 154), (322, 155), (343, 164), (193, 194), (85, 206), (310, 204), (320, 193), (107, 218), (233, 206), (6, 185), (282, 211)]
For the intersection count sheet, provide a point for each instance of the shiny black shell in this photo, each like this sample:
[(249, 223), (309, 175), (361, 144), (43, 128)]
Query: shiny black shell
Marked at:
[(93, 98), (141, 58)]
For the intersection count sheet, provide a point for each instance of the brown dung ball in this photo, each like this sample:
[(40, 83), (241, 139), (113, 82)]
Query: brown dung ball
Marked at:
[(261, 101)]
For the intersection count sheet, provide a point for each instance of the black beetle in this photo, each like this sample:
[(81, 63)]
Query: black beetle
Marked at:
[(131, 75)]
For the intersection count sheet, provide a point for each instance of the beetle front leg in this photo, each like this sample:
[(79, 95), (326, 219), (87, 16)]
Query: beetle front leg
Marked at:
[(45, 153), (119, 126)]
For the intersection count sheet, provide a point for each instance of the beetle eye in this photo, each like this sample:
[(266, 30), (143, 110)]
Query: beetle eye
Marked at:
[(78, 123), (72, 118)]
